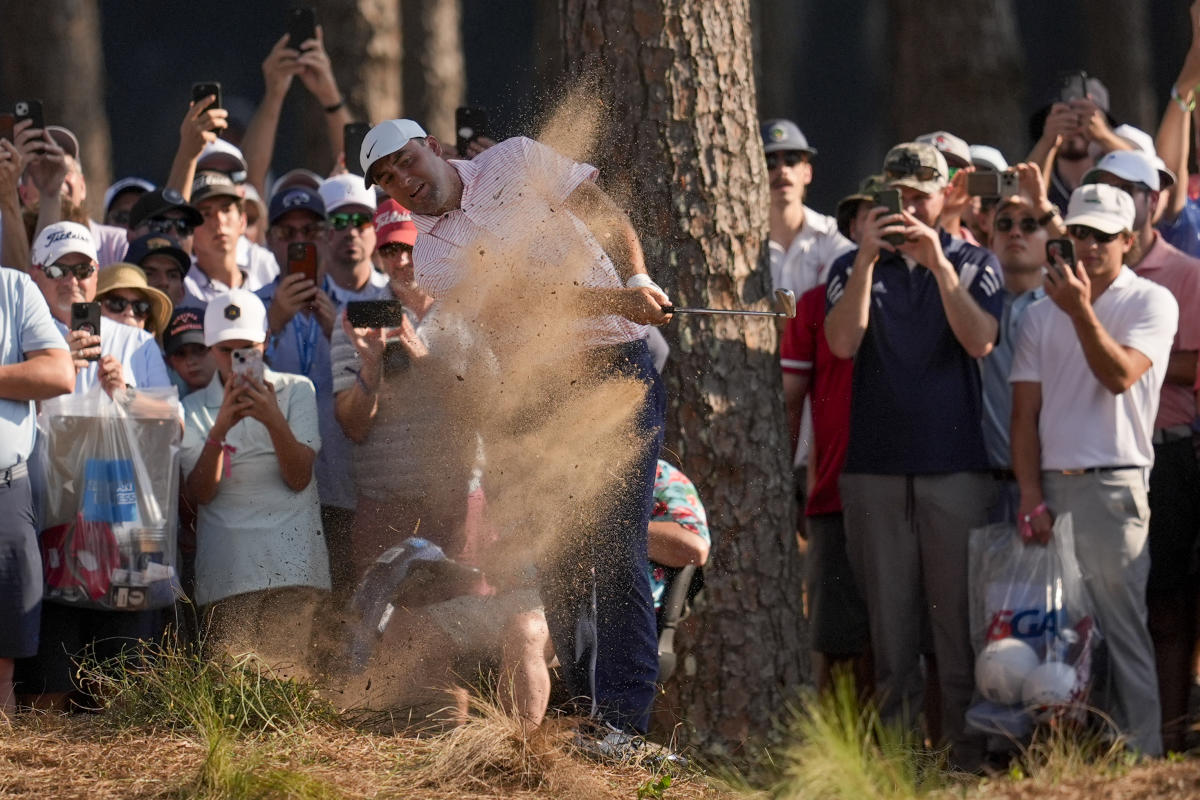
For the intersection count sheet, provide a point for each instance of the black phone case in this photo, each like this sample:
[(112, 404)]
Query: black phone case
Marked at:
[(469, 119), (302, 26), (203, 90), (353, 135)]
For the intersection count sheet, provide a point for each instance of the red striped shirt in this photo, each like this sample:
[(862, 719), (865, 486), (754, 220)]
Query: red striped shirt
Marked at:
[(513, 213)]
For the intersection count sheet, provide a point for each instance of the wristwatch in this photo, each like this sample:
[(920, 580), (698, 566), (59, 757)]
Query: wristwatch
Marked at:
[(1049, 216)]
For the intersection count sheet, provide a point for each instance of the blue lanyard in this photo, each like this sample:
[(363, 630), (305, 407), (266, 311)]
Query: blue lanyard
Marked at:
[(306, 341)]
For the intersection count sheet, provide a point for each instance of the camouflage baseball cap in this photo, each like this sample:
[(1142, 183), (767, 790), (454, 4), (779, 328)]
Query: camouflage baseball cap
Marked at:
[(916, 165), (847, 207)]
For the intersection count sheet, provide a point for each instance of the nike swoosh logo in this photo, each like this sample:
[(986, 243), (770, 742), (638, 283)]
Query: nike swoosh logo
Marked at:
[(371, 149)]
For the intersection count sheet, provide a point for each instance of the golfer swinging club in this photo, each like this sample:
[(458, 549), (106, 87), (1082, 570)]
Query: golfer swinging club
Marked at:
[(598, 606)]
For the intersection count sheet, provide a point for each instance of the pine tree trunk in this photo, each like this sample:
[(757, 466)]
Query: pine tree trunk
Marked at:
[(362, 38), (435, 74), (958, 67), (682, 137), (51, 51)]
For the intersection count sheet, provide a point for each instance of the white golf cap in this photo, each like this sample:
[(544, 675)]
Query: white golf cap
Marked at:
[(1101, 206), (346, 190), (1145, 142), (61, 238), (984, 156), (1128, 165), (125, 184), (955, 150), (236, 314), (64, 139), (222, 156), (385, 139)]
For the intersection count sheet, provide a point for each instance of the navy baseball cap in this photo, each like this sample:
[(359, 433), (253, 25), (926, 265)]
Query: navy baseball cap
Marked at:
[(295, 198), (158, 202), (152, 243), (783, 134)]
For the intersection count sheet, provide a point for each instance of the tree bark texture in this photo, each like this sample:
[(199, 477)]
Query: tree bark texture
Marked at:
[(362, 38), (51, 51), (435, 73), (958, 67), (680, 134), (1118, 53)]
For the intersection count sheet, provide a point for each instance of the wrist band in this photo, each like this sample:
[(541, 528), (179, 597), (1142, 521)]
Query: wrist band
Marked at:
[(331, 109), (1025, 524), (358, 378), (1185, 105), (213, 441), (1045, 220)]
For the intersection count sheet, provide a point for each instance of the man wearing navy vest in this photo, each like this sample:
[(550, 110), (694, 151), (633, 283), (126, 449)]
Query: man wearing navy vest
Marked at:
[(916, 317)]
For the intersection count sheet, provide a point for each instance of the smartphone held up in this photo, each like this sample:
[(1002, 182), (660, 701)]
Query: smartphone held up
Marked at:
[(890, 199)]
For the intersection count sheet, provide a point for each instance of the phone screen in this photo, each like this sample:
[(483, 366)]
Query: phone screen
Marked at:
[(375, 313), (6, 125), (1063, 249)]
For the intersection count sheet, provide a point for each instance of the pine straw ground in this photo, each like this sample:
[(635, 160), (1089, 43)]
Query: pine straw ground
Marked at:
[(79, 756)]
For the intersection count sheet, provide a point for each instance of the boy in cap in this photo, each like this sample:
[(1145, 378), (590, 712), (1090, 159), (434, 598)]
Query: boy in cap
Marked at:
[(120, 198), (163, 261), (915, 316), (1089, 365), (247, 455), (191, 364)]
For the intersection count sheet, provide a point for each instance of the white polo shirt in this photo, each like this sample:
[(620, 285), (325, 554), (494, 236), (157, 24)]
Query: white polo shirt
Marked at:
[(805, 262), (1082, 424), (256, 533)]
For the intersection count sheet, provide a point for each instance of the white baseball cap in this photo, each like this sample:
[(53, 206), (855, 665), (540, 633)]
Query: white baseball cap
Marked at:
[(955, 150), (385, 139), (1129, 165), (222, 156), (125, 184), (236, 314), (1101, 206), (61, 238), (984, 156), (346, 190), (1145, 142)]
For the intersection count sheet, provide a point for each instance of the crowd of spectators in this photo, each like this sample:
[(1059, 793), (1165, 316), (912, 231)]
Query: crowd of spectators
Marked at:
[(943, 371)]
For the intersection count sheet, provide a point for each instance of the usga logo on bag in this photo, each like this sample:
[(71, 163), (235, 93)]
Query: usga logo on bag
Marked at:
[(1030, 623)]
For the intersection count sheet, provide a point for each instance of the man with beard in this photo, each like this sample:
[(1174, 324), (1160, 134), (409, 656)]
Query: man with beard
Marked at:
[(1071, 134)]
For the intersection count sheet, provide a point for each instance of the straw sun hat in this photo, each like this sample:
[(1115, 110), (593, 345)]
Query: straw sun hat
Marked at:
[(127, 276)]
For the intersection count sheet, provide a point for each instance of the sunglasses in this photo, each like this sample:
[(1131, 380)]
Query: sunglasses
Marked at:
[(58, 271), (117, 305), (1083, 233), (788, 157), (896, 171), (290, 233), (180, 227), (339, 222), (392, 249), (1027, 225)]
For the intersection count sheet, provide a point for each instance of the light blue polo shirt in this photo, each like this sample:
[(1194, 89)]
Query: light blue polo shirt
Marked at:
[(997, 391), (25, 327)]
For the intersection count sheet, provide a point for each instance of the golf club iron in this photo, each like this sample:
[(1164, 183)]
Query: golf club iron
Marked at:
[(785, 303)]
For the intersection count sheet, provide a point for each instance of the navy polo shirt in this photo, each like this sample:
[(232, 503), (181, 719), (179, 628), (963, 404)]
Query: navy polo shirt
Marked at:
[(916, 405)]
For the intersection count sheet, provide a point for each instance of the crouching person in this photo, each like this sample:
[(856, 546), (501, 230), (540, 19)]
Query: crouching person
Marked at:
[(250, 440)]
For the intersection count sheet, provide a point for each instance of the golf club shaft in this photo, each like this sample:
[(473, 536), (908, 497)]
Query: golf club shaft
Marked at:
[(675, 310)]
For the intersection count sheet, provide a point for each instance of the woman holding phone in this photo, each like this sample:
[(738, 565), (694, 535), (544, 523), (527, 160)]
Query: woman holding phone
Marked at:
[(250, 440)]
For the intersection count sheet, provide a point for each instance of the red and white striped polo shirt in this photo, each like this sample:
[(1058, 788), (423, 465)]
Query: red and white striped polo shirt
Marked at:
[(514, 206)]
